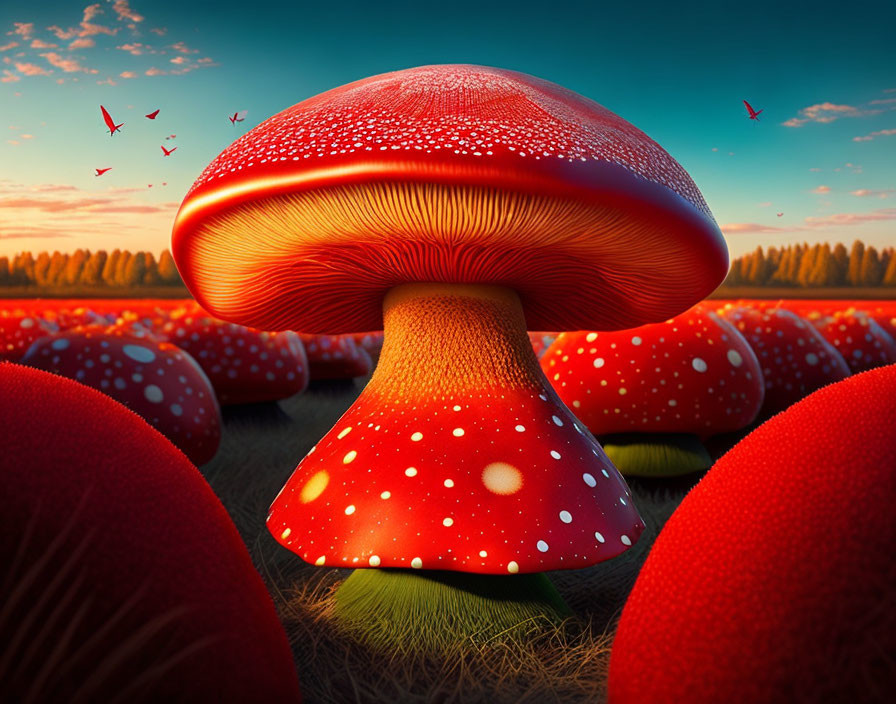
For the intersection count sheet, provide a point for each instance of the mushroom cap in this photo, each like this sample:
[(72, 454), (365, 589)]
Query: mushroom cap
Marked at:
[(451, 174), (794, 357), (132, 539), (693, 373), (863, 343), (774, 579)]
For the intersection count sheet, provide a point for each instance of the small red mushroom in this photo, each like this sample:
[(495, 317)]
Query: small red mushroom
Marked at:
[(336, 357), (863, 343), (244, 365), (123, 577), (370, 342), (18, 330), (774, 580), (651, 393), (541, 341), (794, 357), (156, 380)]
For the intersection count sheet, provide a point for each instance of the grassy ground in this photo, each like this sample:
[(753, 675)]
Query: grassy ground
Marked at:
[(261, 446)]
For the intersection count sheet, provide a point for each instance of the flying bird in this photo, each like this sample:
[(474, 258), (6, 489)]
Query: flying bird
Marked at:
[(152, 115), (168, 151), (753, 114), (238, 117), (110, 123), (171, 136), (100, 172)]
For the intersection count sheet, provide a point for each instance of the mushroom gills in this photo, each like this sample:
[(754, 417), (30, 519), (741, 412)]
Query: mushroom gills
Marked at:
[(656, 454), (433, 610)]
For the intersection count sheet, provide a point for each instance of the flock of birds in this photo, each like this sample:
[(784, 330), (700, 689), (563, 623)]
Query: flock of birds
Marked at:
[(113, 128)]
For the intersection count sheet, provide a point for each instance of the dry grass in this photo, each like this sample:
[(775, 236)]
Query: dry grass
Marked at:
[(261, 446)]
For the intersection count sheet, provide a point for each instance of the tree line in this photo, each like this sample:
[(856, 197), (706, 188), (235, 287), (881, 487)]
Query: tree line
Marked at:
[(814, 266), (120, 269)]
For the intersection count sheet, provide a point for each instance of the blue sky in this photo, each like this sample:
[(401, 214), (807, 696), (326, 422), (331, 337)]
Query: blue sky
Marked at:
[(823, 154)]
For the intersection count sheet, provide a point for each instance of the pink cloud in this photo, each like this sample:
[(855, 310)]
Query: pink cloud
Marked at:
[(206, 61), (155, 72), (161, 31), (815, 168), (886, 101), (51, 188), (41, 44), (183, 48), (84, 43), (23, 29), (62, 33), (108, 82), (7, 47), (826, 112), (851, 218), (179, 60), (123, 10), (85, 28), (871, 193), (821, 190), (27, 69), (135, 49), (765, 204), (869, 137), (127, 74), (67, 65), (738, 228), (9, 77)]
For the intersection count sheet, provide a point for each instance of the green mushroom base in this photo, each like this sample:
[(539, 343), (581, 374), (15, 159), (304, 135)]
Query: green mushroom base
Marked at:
[(656, 455), (431, 611)]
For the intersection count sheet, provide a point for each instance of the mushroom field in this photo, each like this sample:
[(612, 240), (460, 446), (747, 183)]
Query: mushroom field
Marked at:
[(175, 488)]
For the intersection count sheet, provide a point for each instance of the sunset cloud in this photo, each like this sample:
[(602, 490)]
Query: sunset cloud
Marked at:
[(85, 28), (27, 69), (41, 44), (123, 10), (155, 72), (871, 193), (9, 77), (840, 219), (739, 228), (872, 135), (179, 60), (8, 46), (67, 65), (23, 29), (127, 74), (135, 48), (821, 190), (161, 31), (83, 43), (183, 48), (826, 112)]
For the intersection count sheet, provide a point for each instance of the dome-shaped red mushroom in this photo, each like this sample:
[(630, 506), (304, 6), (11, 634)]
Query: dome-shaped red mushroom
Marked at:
[(452, 207), (774, 580), (863, 343), (122, 578), (794, 357), (651, 393)]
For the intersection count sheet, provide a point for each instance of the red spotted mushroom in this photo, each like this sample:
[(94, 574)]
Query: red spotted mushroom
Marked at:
[(452, 207), (652, 393), (863, 343), (123, 577), (18, 330), (244, 365), (774, 580), (156, 380), (795, 359), (336, 357)]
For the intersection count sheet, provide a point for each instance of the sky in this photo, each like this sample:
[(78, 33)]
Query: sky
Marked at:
[(823, 152)]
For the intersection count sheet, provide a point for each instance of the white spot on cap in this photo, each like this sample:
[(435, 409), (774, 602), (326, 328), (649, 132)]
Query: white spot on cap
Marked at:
[(60, 344), (512, 567), (812, 358), (557, 421), (520, 428), (385, 494), (344, 432), (374, 561), (153, 394), (320, 561), (735, 358), (555, 454), (599, 537), (139, 353), (26, 323), (626, 540), (458, 432), (589, 479), (456, 408), (502, 478), (176, 409), (448, 522), (566, 516), (598, 362), (698, 364), (542, 546), (285, 534), (411, 472), (449, 483), (416, 563), (349, 510), (636, 340), (591, 336), (417, 437), (349, 456)]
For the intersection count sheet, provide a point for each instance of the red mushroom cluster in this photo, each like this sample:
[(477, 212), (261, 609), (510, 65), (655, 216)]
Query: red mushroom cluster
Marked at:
[(651, 393), (863, 343)]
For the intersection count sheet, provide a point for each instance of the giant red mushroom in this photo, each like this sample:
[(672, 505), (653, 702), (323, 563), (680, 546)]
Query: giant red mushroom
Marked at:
[(453, 207)]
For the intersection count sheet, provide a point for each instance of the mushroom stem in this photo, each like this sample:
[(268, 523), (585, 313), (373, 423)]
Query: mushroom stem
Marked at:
[(656, 454), (431, 611), (445, 340)]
